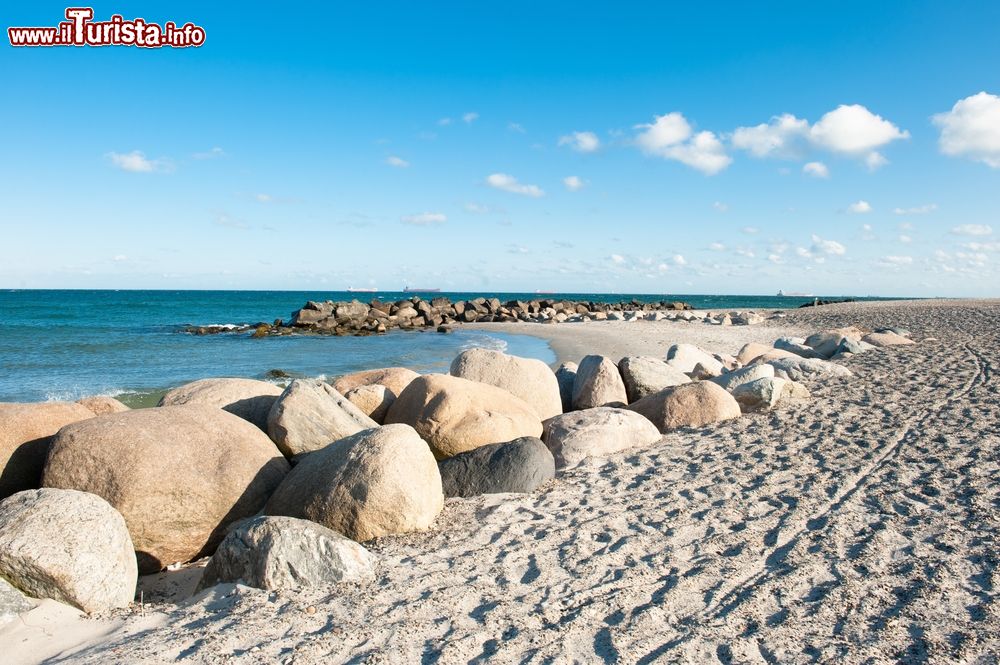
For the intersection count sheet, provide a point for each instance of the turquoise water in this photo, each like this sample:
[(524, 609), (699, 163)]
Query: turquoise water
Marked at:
[(67, 344)]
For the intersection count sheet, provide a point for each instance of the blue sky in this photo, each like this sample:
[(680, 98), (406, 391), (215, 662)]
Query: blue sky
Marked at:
[(643, 147)]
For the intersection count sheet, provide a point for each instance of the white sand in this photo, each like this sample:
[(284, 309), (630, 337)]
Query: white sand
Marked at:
[(861, 527), (617, 339)]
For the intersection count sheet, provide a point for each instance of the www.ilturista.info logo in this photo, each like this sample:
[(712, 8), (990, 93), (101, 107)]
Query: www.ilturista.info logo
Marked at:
[(81, 30)]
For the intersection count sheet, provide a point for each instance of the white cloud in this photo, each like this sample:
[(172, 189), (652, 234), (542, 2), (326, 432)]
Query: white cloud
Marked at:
[(750, 230), (916, 210), (982, 246), (717, 247), (424, 219), (720, 206), (516, 127), (444, 122), (617, 259), (671, 137), (973, 230), (136, 162), (573, 183), (859, 208), (875, 160), (118, 258), (821, 246), (896, 261), (971, 129), (470, 117), (775, 258), (581, 141), (477, 208), (816, 170), (398, 162), (781, 137), (263, 198), (210, 154), (509, 183), (850, 130), (903, 238), (854, 130), (679, 260)]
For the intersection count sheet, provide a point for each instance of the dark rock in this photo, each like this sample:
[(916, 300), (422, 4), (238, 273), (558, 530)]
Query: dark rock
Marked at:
[(520, 465)]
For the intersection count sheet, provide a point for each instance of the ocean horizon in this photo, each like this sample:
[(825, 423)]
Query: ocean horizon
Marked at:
[(63, 344)]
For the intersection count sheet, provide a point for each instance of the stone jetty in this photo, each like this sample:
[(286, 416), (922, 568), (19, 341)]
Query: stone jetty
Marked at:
[(376, 317)]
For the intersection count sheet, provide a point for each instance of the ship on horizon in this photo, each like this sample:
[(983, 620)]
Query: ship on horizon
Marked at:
[(407, 289), (351, 289), (794, 294)]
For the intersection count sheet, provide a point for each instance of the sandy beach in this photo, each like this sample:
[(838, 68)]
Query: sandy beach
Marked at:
[(858, 527)]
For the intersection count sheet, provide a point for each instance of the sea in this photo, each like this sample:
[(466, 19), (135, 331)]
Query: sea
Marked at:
[(67, 344)]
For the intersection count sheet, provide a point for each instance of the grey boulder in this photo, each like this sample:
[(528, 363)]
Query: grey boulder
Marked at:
[(70, 546), (597, 432), (520, 465), (797, 346), (565, 376), (762, 394), (736, 378), (310, 415), (274, 552), (645, 375), (798, 369)]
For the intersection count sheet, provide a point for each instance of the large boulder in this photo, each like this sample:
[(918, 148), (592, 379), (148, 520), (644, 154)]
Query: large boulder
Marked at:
[(796, 345), (751, 351), (565, 376), (101, 405), (249, 399), (527, 378), (690, 405), (179, 475), (774, 354), (13, 603), (310, 415), (374, 483), (273, 552), (520, 465), (825, 343), (887, 338), (736, 378), (394, 378), (761, 394), (372, 400), (645, 375), (798, 368), (69, 546), (686, 357), (455, 415), (25, 433), (598, 383), (596, 432)]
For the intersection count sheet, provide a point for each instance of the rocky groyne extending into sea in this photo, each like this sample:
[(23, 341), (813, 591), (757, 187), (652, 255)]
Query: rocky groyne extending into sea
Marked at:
[(357, 318)]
